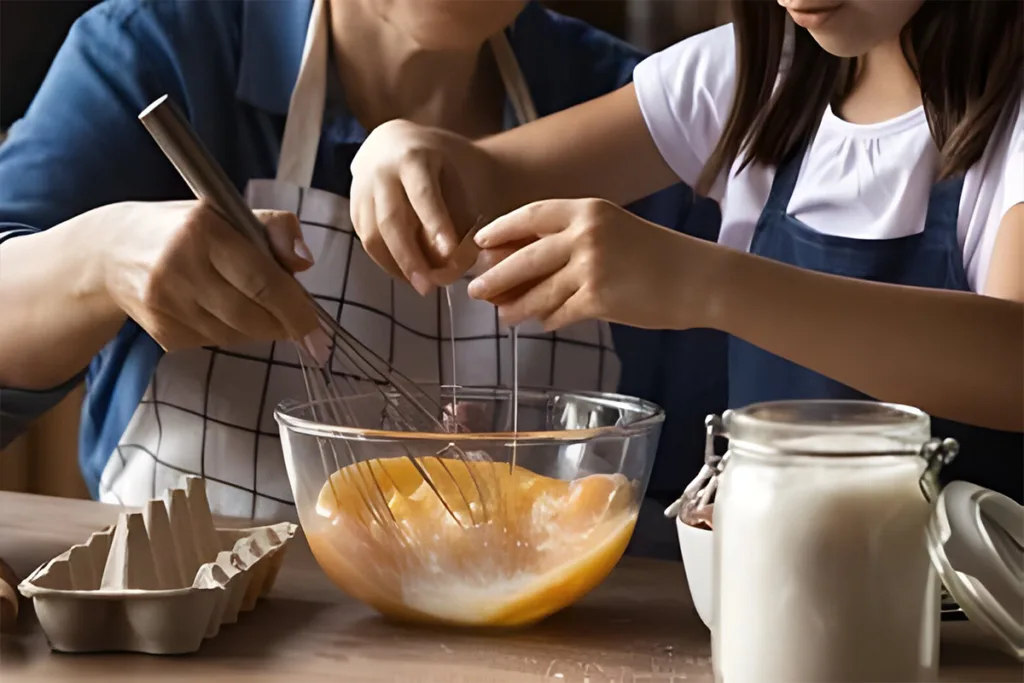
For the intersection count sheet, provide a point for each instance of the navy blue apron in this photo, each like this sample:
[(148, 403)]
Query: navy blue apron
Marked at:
[(932, 258), (683, 371)]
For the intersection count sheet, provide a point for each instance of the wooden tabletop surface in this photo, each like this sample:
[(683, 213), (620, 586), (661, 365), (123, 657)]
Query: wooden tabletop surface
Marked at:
[(639, 626)]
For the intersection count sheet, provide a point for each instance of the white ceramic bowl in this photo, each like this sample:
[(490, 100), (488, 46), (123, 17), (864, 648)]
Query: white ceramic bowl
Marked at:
[(696, 546)]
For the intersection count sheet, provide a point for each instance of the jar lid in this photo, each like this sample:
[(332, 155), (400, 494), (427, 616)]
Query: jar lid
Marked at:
[(976, 542)]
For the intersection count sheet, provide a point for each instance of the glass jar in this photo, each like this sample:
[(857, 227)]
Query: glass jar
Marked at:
[(822, 570)]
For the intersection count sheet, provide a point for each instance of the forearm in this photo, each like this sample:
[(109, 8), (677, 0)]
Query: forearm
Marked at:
[(56, 311), (598, 149), (954, 355)]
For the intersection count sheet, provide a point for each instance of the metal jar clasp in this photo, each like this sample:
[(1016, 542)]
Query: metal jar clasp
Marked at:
[(704, 485), (937, 453)]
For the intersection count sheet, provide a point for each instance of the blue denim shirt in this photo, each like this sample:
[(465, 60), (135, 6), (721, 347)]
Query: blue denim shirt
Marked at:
[(231, 65)]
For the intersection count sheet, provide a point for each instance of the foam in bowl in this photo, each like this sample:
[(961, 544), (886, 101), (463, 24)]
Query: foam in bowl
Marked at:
[(515, 546)]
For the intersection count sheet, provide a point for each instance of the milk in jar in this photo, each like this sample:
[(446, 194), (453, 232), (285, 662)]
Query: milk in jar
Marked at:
[(821, 562)]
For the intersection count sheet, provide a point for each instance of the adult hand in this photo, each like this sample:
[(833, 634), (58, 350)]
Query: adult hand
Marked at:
[(190, 280), (416, 194), (562, 261)]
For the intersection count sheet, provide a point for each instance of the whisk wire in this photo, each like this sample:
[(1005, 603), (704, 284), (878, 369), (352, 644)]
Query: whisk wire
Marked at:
[(178, 141), (318, 400)]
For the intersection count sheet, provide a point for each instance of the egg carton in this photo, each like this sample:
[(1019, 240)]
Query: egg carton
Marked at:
[(160, 581)]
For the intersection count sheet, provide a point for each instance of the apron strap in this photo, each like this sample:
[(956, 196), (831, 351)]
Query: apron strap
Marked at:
[(785, 180), (303, 126), (944, 208), (512, 76), (306, 109)]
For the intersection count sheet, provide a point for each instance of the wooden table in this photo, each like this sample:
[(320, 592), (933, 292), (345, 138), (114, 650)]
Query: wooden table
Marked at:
[(638, 627)]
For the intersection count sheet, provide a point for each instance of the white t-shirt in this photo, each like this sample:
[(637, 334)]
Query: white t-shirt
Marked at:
[(856, 181)]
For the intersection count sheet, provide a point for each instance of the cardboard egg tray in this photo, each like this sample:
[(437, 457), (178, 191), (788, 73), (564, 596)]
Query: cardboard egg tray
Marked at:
[(160, 581)]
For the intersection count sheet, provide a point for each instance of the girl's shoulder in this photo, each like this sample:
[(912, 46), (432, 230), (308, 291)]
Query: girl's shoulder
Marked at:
[(998, 178), (685, 93), (992, 187), (706, 60)]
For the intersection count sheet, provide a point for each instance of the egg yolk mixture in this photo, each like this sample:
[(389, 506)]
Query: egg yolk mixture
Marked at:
[(506, 547)]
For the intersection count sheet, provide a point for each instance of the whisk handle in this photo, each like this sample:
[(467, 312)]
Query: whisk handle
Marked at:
[(207, 180), (183, 148)]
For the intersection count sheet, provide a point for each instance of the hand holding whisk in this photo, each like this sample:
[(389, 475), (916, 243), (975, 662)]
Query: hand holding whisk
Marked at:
[(409, 406)]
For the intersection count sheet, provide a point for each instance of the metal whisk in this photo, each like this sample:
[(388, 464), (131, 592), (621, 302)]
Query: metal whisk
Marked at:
[(408, 406)]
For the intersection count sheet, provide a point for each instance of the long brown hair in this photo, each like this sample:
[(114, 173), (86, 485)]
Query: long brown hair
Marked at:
[(968, 57)]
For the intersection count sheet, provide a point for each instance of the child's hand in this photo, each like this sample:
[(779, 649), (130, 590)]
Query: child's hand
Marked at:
[(416, 193), (583, 259)]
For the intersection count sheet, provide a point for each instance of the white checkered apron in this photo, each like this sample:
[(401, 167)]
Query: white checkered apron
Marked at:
[(210, 411)]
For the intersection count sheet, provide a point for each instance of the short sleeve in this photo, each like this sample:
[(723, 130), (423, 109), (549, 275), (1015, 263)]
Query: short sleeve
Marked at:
[(993, 187), (1013, 174), (685, 93)]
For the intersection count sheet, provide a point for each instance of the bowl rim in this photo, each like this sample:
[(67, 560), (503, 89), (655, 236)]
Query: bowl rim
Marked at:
[(285, 417)]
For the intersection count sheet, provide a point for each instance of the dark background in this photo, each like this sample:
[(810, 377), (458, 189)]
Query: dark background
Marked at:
[(31, 31)]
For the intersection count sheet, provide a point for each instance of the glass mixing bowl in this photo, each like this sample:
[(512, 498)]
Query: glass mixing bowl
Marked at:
[(440, 527)]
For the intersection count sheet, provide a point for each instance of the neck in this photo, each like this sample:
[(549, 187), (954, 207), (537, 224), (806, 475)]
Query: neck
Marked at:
[(387, 75), (885, 86)]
